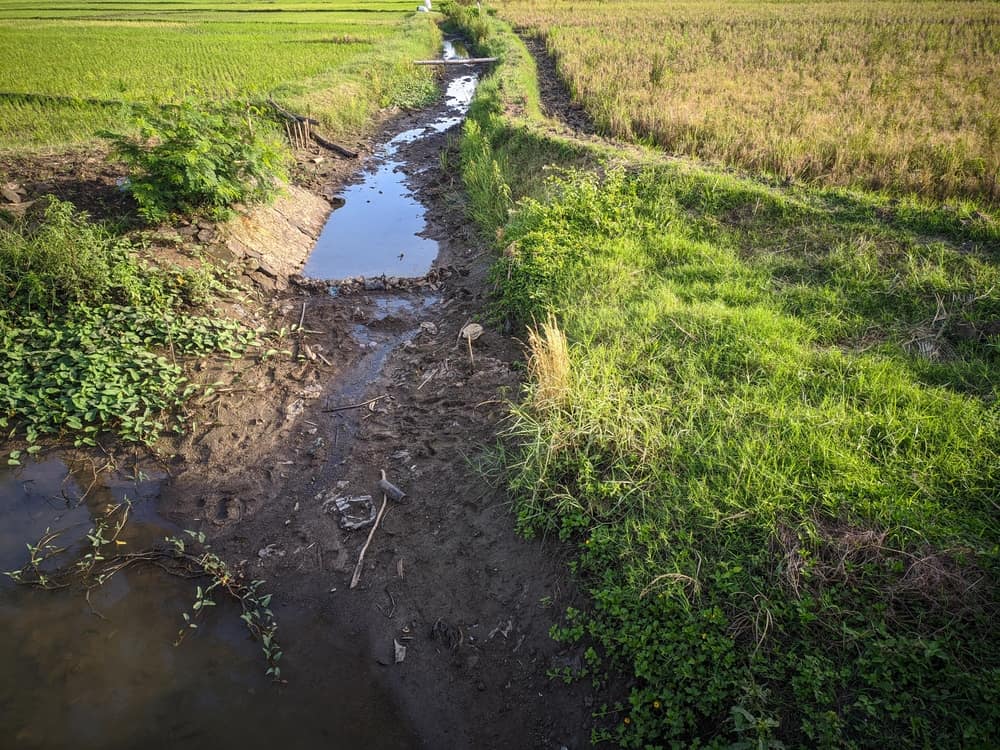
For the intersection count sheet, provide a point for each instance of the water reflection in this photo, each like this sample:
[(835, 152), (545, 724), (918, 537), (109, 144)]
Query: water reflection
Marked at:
[(105, 674), (377, 231)]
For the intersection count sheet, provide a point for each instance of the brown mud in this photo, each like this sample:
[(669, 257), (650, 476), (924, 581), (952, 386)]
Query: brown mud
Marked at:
[(377, 380)]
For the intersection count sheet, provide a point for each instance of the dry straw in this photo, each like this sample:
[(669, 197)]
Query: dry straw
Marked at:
[(548, 364)]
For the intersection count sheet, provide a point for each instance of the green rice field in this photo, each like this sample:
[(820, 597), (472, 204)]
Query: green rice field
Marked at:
[(70, 69)]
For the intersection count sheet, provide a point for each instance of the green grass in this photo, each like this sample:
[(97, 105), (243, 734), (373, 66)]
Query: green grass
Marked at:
[(776, 453), (339, 60), (94, 336)]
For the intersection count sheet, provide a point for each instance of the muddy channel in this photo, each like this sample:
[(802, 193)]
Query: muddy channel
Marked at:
[(378, 383)]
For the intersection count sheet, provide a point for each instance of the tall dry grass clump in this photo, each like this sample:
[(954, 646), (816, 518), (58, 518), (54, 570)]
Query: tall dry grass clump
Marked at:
[(549, 365)]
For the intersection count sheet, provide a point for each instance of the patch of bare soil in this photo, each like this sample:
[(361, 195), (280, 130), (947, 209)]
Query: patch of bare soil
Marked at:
[(557, 101), (84, 177)]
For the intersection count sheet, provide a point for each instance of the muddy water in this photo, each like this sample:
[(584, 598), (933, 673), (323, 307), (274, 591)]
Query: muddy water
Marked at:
[(378, 231), (107, 675), (379, 333)]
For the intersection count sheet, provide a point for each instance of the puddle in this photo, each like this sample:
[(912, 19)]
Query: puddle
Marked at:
[(377, 232), (391, 305), (72, 678)]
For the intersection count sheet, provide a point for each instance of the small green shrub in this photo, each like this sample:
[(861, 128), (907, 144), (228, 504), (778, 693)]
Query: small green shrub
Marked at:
[(193, 158), (62, 258)]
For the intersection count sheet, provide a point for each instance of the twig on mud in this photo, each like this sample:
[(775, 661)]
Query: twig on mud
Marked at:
[(357, 406), (298, 335), (91, 605), (361, 558), (392, 609)]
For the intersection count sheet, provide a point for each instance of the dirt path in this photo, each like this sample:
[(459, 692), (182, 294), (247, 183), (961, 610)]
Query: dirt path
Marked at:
[(445, 574), (557, 102)]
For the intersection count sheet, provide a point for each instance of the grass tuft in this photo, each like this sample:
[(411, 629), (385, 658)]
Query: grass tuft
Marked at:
[(548, 365)]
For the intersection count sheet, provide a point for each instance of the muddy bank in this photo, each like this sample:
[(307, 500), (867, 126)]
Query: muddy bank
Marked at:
[(445, 576)]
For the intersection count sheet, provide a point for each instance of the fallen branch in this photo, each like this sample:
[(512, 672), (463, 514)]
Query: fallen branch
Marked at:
[(357, 406), (288, 114), (361, 558), (309, 132), (335, 147)]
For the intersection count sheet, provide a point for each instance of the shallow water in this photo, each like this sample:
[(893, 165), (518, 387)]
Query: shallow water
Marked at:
[(107, 674), (378, 231)]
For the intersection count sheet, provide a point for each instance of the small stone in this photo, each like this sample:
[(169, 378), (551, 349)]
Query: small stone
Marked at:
[(428, 327)]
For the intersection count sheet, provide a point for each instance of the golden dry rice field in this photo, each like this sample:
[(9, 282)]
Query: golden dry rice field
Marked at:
[(897, 95)]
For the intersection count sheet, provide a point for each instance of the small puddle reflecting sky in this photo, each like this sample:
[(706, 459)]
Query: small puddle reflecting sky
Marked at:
[(377, 230), (73, 679)]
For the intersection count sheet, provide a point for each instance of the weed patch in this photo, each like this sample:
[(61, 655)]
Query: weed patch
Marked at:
[(782, 506), (93, 338), (193, 158)]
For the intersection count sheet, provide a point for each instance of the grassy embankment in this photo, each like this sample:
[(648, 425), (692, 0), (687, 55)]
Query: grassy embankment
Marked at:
[(94, 328), (771, 434), (889, 94)]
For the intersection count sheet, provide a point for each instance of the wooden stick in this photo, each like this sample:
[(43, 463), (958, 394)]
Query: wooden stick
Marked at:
[(361, 558), (466, 61), (357, 406), (336, 148), (309, 121), (289, 115)]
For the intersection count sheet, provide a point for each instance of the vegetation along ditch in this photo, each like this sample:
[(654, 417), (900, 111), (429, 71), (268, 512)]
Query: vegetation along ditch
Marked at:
[(763, 414), (677, 324)]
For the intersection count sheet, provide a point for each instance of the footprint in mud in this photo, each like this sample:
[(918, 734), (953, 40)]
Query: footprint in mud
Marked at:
[(228, 511), (222, 509)]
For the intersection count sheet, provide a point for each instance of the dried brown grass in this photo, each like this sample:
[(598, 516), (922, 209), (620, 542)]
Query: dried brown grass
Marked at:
[(549, 364)]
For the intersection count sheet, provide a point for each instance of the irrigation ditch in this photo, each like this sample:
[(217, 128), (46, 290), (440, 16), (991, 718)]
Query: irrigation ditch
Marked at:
[(444, 640)]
